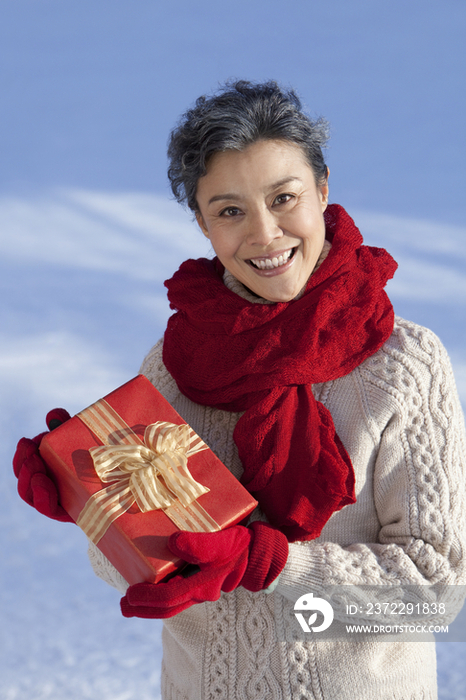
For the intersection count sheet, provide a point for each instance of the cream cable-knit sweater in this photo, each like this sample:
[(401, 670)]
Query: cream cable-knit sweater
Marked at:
[(400, 419)]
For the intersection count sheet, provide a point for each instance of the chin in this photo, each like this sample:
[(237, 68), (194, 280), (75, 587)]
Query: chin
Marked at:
[(279, 298), (275, 293)]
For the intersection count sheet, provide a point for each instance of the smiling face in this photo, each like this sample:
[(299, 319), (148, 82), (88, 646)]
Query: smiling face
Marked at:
[(263, 213)]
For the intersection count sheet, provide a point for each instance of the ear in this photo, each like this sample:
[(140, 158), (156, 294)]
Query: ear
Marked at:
[(323, 190), (201, 224)]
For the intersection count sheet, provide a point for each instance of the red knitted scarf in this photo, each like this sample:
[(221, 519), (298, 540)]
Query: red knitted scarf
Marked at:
[(226, 352)]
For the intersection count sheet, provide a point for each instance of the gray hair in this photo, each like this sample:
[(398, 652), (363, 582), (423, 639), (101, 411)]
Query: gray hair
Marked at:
[(240, 114)]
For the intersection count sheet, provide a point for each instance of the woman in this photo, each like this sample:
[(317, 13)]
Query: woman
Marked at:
[(285, 356)]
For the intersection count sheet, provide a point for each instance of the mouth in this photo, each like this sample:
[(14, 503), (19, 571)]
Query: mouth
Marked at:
[(273, 262)]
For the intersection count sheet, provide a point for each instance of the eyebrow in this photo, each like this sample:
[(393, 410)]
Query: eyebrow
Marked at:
[(274, 186)]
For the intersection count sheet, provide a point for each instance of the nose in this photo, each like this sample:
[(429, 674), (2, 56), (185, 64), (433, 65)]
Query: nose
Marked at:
[(263, 227)]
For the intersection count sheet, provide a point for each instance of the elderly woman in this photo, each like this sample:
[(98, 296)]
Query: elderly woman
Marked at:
[(343, 421)]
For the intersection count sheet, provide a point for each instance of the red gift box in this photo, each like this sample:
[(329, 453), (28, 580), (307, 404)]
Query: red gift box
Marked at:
[(136, 542)]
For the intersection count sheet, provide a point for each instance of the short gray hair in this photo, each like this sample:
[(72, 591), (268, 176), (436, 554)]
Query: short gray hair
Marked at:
[(238, 115)]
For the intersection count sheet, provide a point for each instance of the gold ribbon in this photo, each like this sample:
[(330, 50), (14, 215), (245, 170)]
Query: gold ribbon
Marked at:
[(152, 473)]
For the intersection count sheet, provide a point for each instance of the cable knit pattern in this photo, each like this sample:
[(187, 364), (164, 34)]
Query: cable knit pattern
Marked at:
[(256, 645), (221, 648), (301, 678), (399, 417)]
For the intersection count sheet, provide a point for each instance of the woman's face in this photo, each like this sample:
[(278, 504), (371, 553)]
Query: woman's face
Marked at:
[(263, 214)]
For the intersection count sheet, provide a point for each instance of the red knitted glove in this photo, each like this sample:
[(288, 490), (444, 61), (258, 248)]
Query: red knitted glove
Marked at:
[(34, 485), (251, 557)]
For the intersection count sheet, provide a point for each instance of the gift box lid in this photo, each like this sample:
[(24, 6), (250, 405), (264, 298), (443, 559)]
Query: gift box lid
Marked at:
[(136, 543)]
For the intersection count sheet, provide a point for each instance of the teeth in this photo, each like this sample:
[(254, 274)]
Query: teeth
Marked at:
[(271, 263)]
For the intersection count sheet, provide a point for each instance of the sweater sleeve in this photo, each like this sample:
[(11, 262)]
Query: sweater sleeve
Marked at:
[(419, 489)]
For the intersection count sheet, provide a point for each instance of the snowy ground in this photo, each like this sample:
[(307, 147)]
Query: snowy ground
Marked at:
[(81, 277)]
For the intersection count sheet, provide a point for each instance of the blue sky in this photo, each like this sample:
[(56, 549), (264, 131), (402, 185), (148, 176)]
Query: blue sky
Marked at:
[(90, 89)]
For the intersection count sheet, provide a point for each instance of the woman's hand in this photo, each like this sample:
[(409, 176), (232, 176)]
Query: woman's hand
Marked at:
[(251, 557), (34, 484)]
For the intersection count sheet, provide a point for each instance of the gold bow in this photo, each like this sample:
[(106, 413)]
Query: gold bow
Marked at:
[(153, 474)]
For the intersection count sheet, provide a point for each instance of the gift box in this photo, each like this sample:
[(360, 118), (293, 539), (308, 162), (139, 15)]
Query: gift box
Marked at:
[(130, 472)]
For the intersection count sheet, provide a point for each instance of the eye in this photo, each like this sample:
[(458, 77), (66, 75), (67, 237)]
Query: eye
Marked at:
[(230, 211), (283, 198)]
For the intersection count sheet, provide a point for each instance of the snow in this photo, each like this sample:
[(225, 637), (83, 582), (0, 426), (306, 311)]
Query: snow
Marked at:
[(77, 323)]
